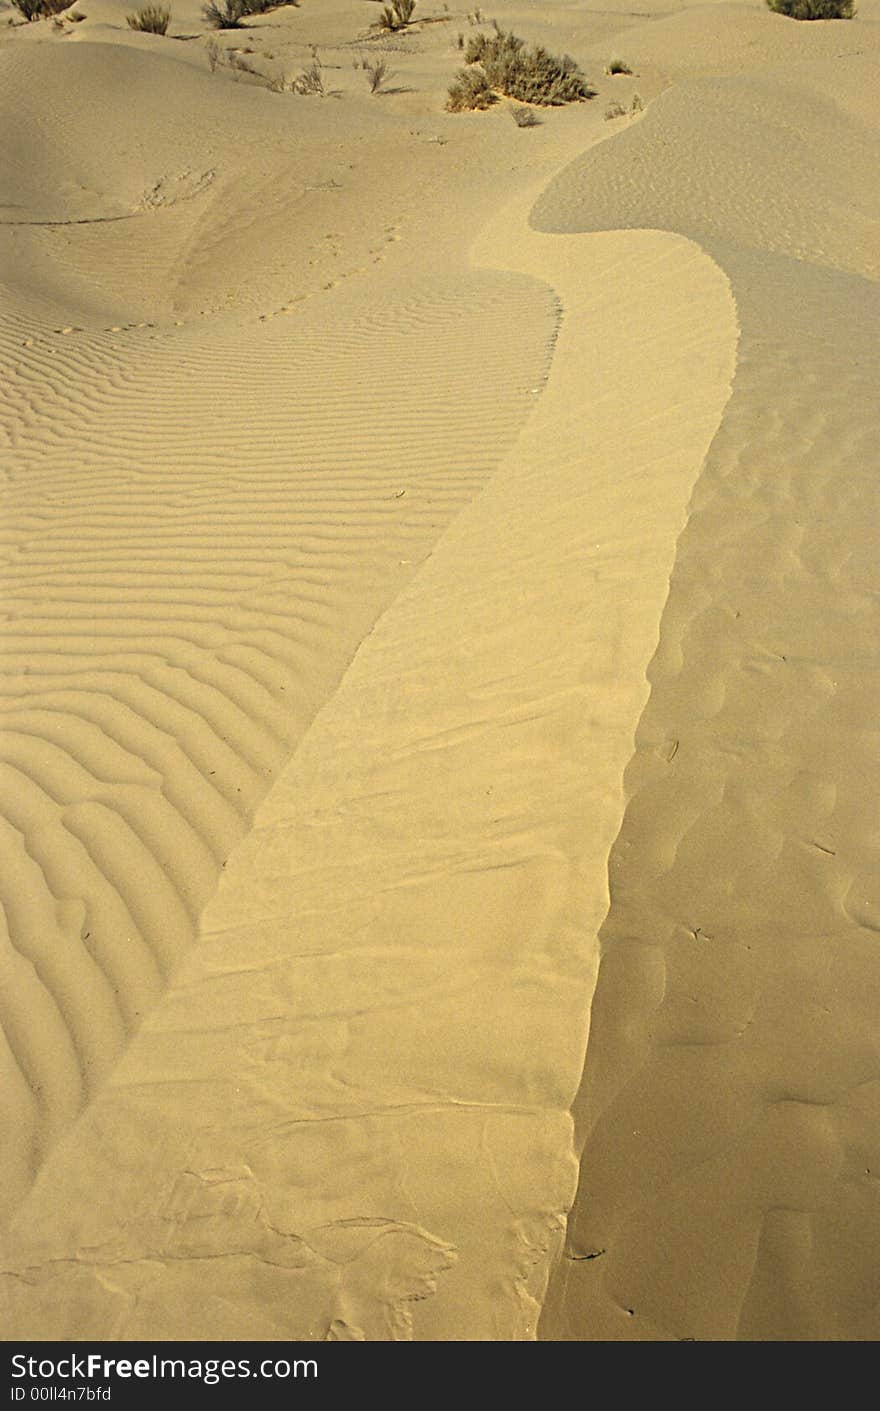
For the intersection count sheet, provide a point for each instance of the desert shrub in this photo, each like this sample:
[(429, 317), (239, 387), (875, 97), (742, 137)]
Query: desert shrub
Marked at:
[(529, 75), (614, 110), (814, 9), (637, 105), (397, 15), (617, 66), (311, 80), (225, 14), (469, 90), (31, 9), (152, 19)]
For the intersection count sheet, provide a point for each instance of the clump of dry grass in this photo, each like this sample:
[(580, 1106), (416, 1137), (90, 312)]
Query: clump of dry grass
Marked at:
[(225, 14), (525, 117), (814, 9), (397, 15), (41, 9), (617, 66), (310, 81), (529, 75), (470, 90), (617, 110), (376, 74), (228, 14), (151, 19)]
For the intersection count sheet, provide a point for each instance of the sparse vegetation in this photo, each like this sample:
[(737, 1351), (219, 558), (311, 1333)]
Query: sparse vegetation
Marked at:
[(225, 14), (376, 74), (617, 66), (617, 110), (151, 19), (470, 90), (310, 81), (214, 52), (525, 117), (529, 75), (814, 9), (31, 9), (228, 14), (397, 15), (239, 65)]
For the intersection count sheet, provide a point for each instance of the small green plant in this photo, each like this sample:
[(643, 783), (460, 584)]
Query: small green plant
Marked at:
[(310, 81), (525, 117), (225, 14), (470, 90), (151, 19), (814, 9), (617, 66)]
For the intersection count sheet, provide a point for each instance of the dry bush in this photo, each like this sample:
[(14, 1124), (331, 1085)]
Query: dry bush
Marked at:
[(31, 9), (310, 81), (470, 90), (814, 9), (614, 110), (397, 15), (151, 19), (225, 14), (376, 74), (617, 66), (529, 75)]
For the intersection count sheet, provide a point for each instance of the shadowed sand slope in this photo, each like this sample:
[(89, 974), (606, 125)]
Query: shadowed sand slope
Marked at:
[(729, 1102)]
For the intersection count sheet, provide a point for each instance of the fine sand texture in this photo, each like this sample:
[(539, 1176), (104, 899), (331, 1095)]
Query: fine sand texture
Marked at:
[(441, 642)]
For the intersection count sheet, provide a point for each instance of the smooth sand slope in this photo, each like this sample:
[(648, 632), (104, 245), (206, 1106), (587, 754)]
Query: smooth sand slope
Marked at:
[(349, 446)]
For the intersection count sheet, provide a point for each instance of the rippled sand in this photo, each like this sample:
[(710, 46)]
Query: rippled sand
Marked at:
[(439, 854)]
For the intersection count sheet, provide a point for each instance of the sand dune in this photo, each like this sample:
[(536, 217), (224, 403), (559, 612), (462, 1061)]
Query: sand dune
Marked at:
[(437, 572)]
